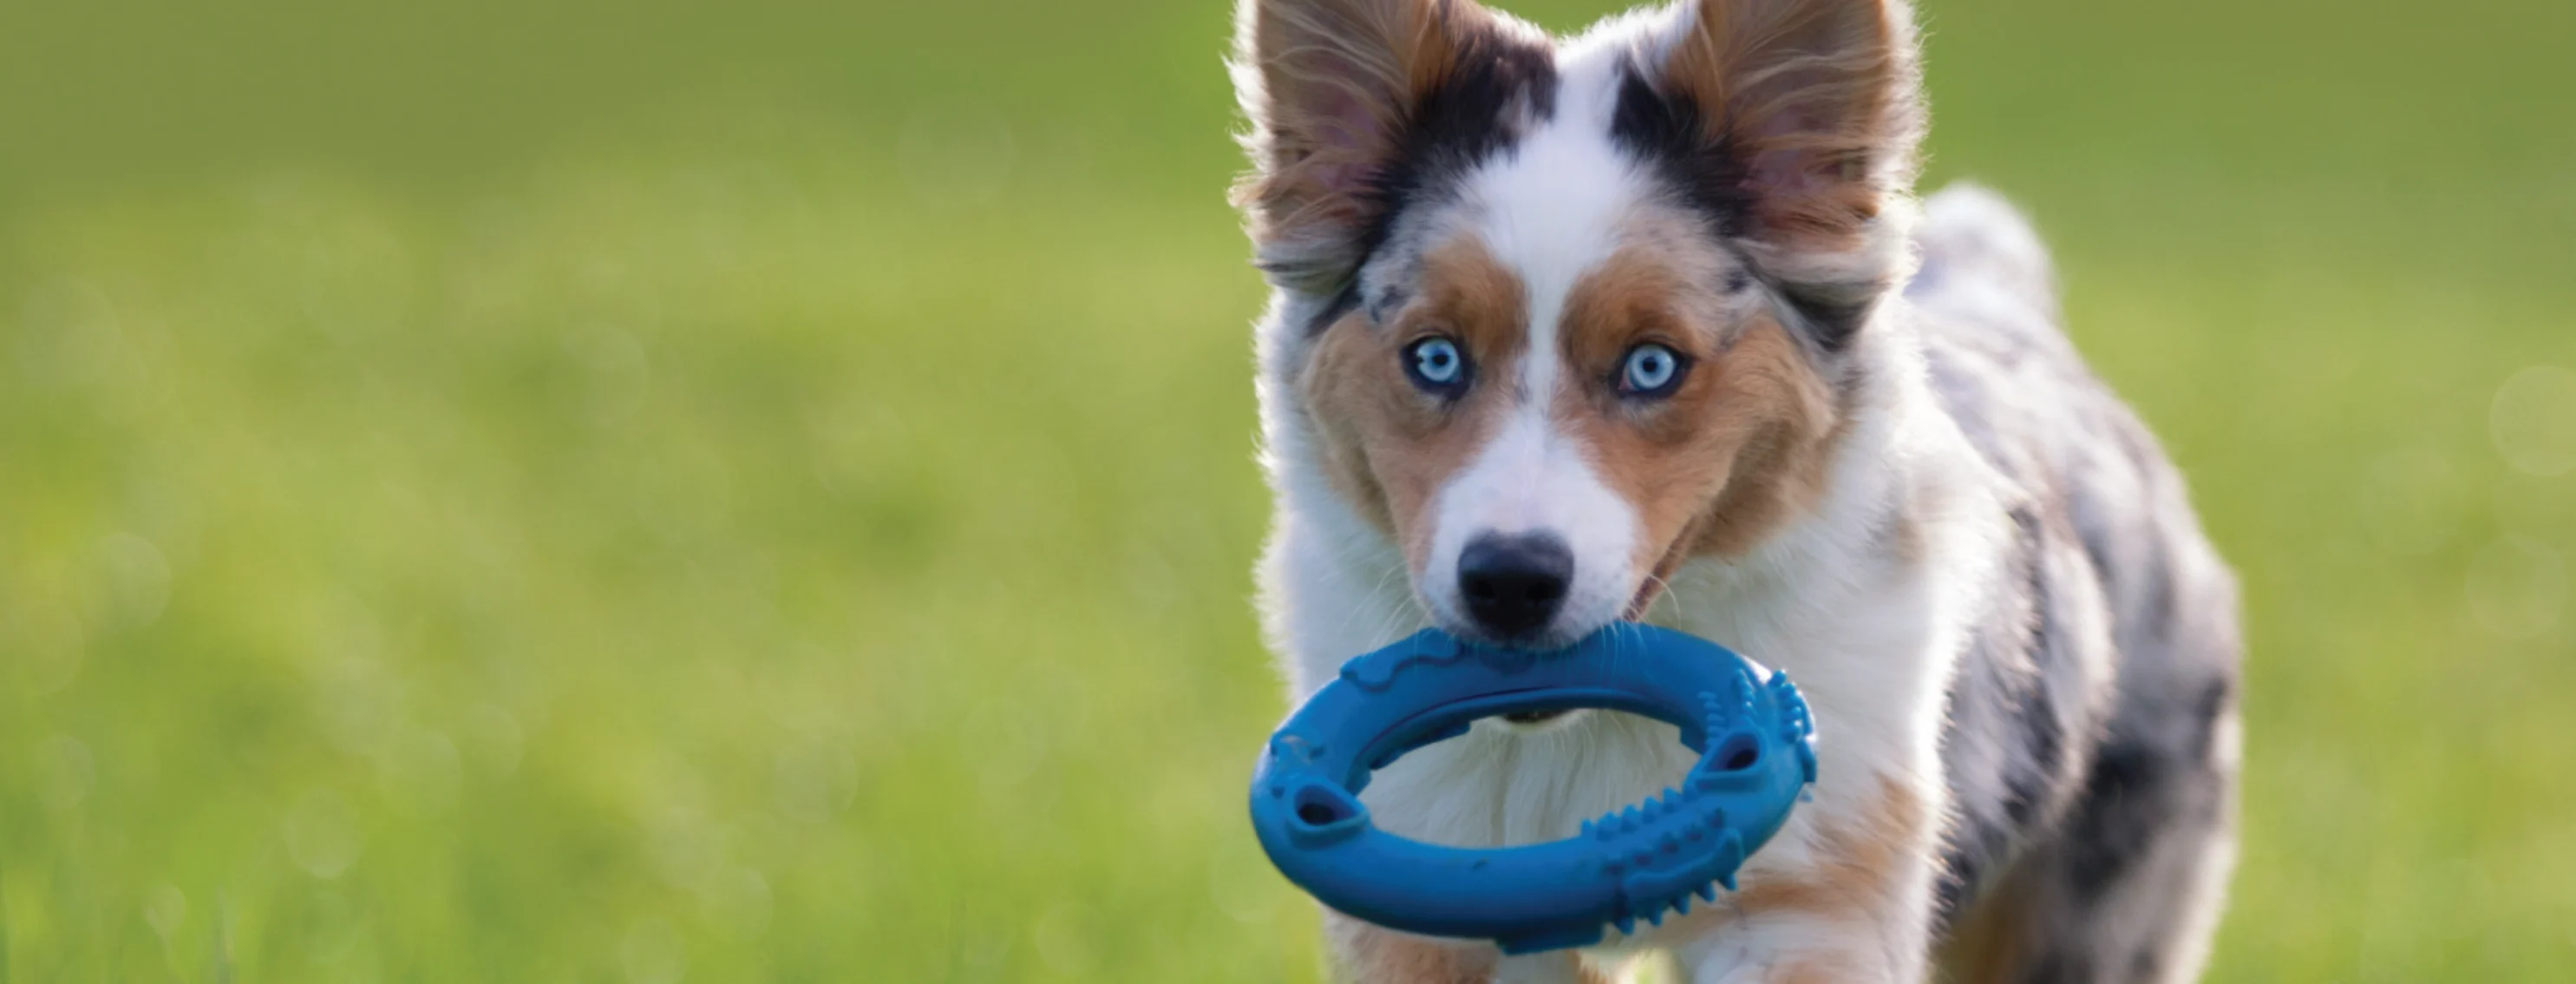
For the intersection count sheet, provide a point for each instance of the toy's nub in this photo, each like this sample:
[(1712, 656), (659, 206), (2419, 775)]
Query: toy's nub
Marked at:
[(1751, 729)]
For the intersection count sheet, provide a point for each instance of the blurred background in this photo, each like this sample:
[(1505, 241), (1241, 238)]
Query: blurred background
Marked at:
[(589, 491)]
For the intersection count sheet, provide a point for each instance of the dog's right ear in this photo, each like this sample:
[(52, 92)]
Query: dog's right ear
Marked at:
[(1339, 93)]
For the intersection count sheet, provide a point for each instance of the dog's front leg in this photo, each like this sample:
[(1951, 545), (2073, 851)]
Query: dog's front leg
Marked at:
[(1366, 954), (1852, 907)]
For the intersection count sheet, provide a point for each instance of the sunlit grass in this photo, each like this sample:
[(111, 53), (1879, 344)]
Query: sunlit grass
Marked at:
[(813, 550)]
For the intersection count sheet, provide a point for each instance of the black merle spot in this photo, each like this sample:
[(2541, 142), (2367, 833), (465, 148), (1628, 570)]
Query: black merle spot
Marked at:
[(1670, 133), (1343, 304), (1465, 120), (1831, 322), (1977, 846), (2027, 786), (2144, 966), (2060, 967), (2120, 806), (1960, 874)]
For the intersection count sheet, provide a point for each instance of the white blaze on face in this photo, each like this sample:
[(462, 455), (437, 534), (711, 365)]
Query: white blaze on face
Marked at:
[(1550, 213)]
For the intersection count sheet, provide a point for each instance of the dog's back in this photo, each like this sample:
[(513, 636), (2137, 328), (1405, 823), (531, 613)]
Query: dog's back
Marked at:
[(2095, 785)]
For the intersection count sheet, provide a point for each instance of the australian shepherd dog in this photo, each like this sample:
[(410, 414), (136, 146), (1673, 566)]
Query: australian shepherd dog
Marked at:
[(1648, 324)]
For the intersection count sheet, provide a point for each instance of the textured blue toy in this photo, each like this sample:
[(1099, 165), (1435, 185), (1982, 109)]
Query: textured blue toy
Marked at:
[(1750, 728)]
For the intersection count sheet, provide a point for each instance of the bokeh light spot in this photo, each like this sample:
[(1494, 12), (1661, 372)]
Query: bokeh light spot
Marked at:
[(138, 578), (736, 903), (359, 703), (813, 780), (418, 773), (2533, 421), (686, 852), (69, 335), (651, 953), (322, 835), (1019, 741)]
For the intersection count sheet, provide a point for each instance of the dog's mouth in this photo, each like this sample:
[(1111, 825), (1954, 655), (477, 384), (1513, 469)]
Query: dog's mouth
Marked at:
[(1650, 589)]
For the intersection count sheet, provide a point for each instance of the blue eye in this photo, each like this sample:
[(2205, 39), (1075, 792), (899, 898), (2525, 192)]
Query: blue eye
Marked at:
[(1436, 365), (1650, 370)]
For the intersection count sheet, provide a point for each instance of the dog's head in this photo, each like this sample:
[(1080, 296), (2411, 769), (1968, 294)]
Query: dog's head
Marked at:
[(1561, 317)]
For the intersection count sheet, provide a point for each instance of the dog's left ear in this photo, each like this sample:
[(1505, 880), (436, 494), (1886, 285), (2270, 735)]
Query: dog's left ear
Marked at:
[(1343, 95), (1796, 123)]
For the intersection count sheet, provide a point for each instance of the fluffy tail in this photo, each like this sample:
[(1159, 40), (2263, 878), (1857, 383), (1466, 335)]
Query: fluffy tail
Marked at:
[(1971, 236)]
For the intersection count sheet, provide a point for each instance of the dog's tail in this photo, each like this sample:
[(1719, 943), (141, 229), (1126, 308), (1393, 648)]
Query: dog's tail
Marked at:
[(1970, 237)]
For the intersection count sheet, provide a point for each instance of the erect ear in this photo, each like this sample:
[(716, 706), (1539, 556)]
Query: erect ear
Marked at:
[(1349, 101), (1795, 122)]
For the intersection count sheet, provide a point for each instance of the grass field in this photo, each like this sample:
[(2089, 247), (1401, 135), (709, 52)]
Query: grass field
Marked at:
[(576, 493)]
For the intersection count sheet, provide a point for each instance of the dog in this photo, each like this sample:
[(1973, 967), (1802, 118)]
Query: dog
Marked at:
[(1648, 324)]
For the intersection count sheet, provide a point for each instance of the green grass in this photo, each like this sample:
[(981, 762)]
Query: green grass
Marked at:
[(493, 495)]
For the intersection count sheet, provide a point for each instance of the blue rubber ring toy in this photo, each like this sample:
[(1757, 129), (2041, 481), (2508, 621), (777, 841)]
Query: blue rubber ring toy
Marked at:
[(1751, 729)]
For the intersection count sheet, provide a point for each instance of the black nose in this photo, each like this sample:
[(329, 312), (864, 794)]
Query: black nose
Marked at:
[(1514, 584)]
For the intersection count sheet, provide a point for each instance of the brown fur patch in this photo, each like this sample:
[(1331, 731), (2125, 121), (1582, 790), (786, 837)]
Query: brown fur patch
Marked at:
[(1387, 446), (1987, 945), (1812, 973), (1855, 859), (1366, 954), (1733, 454), (1905, 536)]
